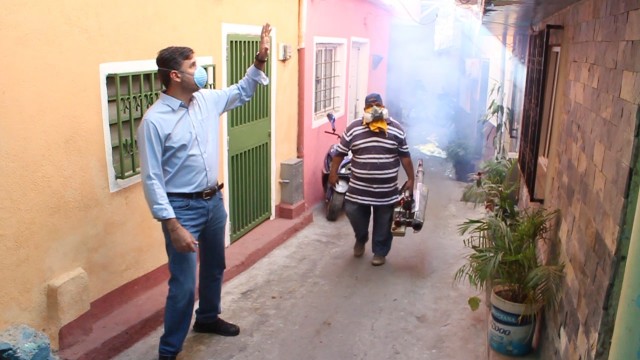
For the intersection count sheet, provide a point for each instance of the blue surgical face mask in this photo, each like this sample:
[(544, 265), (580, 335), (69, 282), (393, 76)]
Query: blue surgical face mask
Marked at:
[(200, 77)]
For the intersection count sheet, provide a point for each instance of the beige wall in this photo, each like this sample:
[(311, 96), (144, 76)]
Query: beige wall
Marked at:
[(57, 213)]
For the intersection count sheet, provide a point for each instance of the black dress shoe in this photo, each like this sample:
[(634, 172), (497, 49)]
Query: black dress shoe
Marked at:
[(218, 326), (167, 357)]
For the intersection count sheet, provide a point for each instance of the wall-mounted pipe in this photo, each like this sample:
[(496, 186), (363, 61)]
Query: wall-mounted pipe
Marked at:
[(302, 33)]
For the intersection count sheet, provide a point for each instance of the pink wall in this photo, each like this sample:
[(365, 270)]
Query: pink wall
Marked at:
[(338, 19)]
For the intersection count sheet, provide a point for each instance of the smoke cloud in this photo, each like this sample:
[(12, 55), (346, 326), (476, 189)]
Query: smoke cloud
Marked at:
[(439, 72)]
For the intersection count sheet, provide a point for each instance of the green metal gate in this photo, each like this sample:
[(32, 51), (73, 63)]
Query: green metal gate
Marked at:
[(249, 129)]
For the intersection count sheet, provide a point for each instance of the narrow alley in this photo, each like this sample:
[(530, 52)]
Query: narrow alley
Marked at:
[(310, 299)]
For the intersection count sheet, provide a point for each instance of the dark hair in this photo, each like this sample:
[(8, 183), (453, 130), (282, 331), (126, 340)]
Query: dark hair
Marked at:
[(171, 58)]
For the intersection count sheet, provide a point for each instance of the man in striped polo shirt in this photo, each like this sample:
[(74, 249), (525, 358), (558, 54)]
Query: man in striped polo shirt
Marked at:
[(378, 146)]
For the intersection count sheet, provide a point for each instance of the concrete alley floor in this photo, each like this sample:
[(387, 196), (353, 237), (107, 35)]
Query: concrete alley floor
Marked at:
[(310, 299)]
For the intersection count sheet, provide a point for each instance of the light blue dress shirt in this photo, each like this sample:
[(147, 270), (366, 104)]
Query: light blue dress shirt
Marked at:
[(179, 144)]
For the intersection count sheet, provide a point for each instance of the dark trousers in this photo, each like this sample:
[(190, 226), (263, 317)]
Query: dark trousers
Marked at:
[(359, 215)]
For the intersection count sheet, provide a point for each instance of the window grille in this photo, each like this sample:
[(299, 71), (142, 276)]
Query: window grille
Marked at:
[(327, 98), (129, 95), (532, 112)]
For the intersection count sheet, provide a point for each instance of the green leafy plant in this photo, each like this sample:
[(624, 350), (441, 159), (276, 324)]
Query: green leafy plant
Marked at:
[(459, 153), (500, 116), (496, 186), (503, 252), (457, 150)]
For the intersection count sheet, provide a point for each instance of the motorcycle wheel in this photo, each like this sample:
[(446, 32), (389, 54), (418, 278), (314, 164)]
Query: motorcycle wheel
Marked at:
[(334, 207)]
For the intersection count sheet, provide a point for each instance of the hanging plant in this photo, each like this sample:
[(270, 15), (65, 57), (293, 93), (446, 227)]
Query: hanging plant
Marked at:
[(499, 116)]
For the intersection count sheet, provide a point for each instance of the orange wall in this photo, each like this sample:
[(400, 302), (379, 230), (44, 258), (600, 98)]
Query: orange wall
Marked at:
[(56, 212)]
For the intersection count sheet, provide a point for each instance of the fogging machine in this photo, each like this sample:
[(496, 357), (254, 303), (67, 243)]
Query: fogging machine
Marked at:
[(410, 209)]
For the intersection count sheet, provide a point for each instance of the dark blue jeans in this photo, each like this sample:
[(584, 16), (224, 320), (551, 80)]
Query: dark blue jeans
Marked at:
[(206, 220), (381, 237)]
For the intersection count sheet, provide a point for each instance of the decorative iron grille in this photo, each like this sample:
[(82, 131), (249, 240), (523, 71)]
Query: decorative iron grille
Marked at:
[(129, 95), (533, 107)]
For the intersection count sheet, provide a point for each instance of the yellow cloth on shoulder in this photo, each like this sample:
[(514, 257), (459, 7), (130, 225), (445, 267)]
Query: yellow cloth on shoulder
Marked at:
[(377, 125)]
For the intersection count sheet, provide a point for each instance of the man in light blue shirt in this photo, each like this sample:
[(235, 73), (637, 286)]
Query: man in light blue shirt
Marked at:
[(179, 141)]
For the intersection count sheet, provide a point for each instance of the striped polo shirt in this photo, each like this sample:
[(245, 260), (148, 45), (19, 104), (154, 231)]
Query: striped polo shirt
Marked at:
[(375, 162)]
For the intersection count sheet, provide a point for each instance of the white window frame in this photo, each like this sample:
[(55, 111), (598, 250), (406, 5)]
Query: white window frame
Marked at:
[(547, 125), (358, 77), (319, 118), (124, 67)]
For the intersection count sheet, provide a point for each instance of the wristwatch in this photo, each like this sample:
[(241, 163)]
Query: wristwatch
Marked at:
[(258, 58)]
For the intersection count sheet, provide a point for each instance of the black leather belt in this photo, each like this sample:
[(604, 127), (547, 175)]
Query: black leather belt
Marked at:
[(206, 194)]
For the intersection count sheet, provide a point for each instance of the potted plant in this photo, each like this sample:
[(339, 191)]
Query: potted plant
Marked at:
[(496, 186), (503, 257), (460, 155)]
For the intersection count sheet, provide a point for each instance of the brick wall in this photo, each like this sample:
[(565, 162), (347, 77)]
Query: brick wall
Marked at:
[(597, 124)]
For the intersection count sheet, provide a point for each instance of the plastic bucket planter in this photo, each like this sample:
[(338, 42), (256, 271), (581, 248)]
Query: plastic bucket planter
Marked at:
[(511, 326)]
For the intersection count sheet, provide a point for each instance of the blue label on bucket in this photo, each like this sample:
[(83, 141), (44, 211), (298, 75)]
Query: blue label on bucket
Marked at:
[(510, 340), (508, 318)]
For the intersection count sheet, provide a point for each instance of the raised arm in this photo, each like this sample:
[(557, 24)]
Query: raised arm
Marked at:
[(263, 51), (241, 92)]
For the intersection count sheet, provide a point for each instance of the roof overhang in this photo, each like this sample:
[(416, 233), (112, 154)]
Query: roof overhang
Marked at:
[(517, 17)]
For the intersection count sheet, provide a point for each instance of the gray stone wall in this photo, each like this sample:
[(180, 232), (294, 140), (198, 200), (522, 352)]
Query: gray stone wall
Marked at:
[(600, 49), (24, 343)]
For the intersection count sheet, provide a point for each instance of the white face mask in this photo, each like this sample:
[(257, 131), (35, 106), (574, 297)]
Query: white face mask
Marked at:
[(375, 113)]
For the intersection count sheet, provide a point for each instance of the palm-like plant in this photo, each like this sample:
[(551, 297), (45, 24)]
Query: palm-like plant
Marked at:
[(500, 116), (494, 186), (459, 153), (504, 253)]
